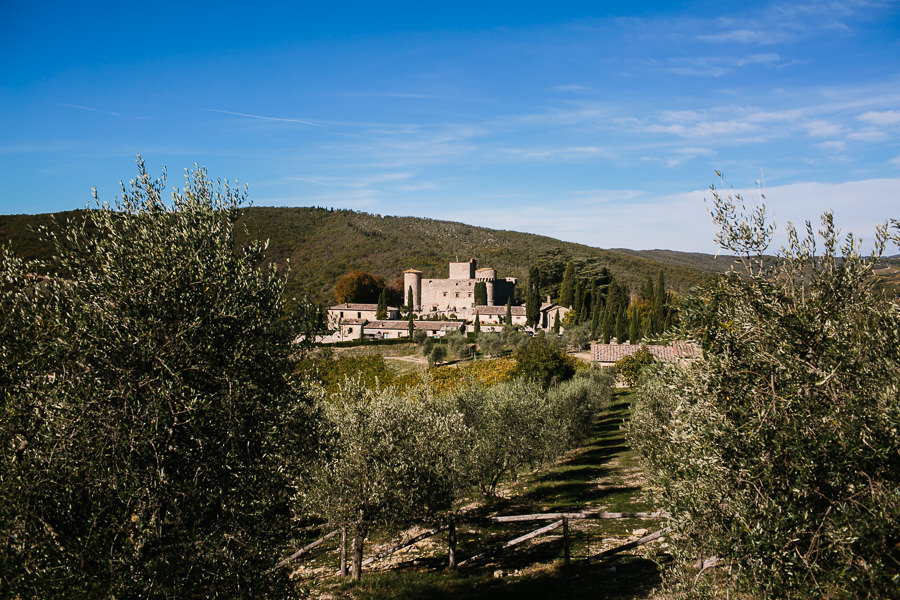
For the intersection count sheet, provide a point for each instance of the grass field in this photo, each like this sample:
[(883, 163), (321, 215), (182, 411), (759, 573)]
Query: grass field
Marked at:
[(601, 475)]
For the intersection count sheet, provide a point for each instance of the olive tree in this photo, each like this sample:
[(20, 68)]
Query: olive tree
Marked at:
[(387, 459), (778, 452), (148, 421)]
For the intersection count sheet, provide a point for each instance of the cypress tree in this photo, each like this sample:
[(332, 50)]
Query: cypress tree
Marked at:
[(621, 326), (533, 300), (595, 324), (579, 298), (659, 305), (477, 323), (381, 311), (634, 327), (606, 327), (481, 298), (411, 324), (508, 313), (409, 299), (556, 323), (567, 289)]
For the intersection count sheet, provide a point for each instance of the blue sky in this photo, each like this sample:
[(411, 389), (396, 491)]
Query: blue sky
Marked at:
[(595, 122)]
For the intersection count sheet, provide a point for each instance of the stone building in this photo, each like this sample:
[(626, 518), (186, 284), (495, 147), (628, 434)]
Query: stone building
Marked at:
[(456, 294), (340, 313)]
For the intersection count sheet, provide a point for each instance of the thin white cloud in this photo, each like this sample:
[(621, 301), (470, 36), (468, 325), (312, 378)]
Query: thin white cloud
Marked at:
[(90, 109), (263, 117)]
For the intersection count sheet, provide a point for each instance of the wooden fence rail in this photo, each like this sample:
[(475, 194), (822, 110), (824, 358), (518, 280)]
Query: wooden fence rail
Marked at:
[(582, 515), (559, 520)]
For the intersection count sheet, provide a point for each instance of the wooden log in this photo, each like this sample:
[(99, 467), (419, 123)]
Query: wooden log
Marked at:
[(513, 542), (647, 538), (582, 515), (306, 548)]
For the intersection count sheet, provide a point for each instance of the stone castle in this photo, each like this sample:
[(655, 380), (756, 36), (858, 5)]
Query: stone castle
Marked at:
[(456, 294)]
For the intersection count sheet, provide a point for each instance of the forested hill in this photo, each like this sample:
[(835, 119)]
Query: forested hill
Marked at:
[(322, 245)]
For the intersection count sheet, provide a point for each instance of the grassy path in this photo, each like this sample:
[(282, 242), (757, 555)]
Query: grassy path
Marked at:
[(601, 475)]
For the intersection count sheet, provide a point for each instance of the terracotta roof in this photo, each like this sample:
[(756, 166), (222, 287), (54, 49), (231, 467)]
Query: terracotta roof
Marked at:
[(426, 325), (610, 353), (354, 321), (517, 311), (348, 306)]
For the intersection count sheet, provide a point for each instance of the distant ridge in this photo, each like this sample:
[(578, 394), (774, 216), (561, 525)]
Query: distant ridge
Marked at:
[(322, 245)]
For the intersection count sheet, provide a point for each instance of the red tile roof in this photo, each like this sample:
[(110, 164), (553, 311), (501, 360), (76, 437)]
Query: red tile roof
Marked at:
[(610, 353)]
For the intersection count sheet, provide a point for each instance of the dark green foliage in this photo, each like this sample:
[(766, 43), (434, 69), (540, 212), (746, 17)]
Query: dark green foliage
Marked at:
[(381, 312), (778, 452), (358, 286), (508, 320), (567, 290), (533, 301), (481, 298), (477, 326), (543, 360), (621, 326), (634, 327), (410, 304), (630, 367), (149, 427), (579, 298), (556, 322)]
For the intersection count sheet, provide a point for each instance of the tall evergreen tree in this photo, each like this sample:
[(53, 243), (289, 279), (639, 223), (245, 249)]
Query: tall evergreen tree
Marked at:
[(634, 326), (481, 298), (409, 299), (659, 304), (621, 326), (579, 298), (567, 290), (412, 325), (381, 311), (477, 323), (556, 323), (606, 327), (533, 300), (509, 321), (595, 324)]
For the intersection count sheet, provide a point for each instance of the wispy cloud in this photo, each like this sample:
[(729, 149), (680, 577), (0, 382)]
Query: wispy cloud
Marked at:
[(263, 117), (90, 109), (883, 118)]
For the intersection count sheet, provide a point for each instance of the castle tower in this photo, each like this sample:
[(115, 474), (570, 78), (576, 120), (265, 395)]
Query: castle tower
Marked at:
[(463, 270), (413, 279)]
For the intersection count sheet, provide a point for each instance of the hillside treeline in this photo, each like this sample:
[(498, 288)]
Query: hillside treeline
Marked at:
[(322, 245)]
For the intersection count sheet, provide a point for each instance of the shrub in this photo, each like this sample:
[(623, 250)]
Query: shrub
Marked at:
[(543, 360), (630, 367), (149, 425), (779, 451)]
